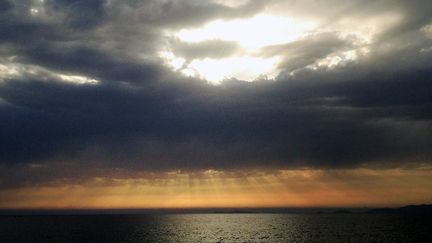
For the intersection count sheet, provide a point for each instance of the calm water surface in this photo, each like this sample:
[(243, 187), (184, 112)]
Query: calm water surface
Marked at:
[(217, 228)]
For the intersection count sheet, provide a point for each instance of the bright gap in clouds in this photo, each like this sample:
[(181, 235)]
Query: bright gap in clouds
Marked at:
[(250, 34), (253, 33), (244, 68)]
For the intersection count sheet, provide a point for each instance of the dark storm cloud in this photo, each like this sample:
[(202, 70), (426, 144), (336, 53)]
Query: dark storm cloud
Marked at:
[(374, 111), (5, 5), (91, 62), (81, 14)]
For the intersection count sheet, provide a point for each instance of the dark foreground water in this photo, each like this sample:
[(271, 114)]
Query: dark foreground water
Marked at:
[(217, 228)]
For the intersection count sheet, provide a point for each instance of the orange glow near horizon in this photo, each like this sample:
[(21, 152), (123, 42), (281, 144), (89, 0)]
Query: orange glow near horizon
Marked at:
[(214, 189)]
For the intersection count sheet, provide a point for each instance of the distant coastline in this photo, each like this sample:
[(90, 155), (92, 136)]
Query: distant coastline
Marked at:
[(410, 209), (423, 209)]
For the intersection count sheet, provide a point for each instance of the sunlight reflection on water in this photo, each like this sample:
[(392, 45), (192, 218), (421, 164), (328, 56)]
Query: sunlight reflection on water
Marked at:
[(217, 228)]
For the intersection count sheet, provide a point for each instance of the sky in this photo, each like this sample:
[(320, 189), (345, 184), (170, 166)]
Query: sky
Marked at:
[(215, 103)]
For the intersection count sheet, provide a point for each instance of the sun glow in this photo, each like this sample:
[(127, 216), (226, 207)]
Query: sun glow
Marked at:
[(244, 68), (212, 188), (259, 31), (250, 34)]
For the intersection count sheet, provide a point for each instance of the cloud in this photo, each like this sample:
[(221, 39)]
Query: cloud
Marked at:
[(214, 49), (371, 109), (80, 14), (307, 51), (5, 6), (175, 14)]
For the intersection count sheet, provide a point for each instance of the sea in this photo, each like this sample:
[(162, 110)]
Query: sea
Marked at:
[(217, 227)]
